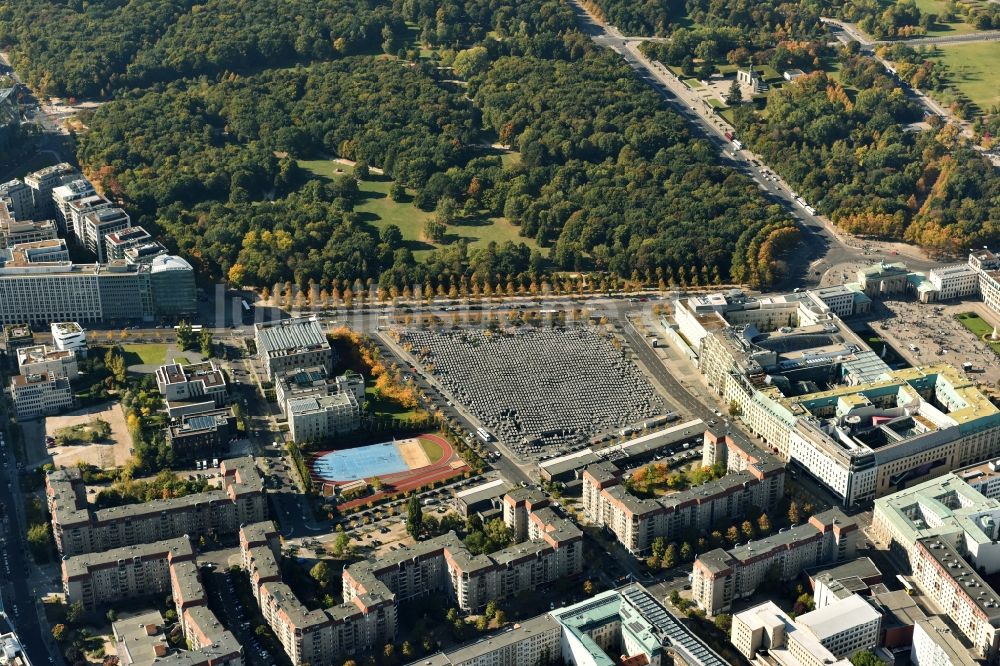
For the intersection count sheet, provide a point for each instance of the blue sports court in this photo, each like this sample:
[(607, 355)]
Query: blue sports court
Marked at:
[(361, 463)]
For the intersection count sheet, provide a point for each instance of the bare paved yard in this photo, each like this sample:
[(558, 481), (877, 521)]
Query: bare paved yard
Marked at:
[(115, 451)]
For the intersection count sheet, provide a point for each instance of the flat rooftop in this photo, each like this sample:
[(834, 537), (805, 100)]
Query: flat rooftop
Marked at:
[(969, 583), (290, 335), (838, 617)]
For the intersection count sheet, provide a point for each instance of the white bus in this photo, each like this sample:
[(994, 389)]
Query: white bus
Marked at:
[(484, 435)]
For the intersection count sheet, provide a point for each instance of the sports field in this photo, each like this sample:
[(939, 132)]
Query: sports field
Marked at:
[(382, 460)]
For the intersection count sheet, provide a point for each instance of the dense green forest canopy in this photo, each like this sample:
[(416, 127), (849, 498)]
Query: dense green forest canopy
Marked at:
[(212, 104), (770, 20), (852, 155)]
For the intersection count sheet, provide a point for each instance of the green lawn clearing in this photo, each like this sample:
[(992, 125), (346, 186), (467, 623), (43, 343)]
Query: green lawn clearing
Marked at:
[(974, 69), (433, 450), (938, 8), (378, 210), (145, 354), (510, 159), (714, 103), (978, 327), (694, 84)]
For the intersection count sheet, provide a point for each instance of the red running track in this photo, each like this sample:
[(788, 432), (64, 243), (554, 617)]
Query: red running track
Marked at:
[(409, 480)]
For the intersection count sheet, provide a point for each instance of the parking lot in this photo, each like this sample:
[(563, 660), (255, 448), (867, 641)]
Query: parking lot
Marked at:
[(927, 333)]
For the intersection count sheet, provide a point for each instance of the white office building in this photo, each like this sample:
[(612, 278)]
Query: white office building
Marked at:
[(40, 359), (96, 225), (825, 637), (40, 395), (954, 281), (69, 335), (63, 195)]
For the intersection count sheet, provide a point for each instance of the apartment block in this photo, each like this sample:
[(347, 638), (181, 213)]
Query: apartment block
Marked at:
[(290, 344), (144, 253), (15, 231), (78, 529), (37, 252), (197, 381), (935, 644), (357, 626), (443, 565), (119, 574), (314, 419), (42, 394), (42, 359), (77, 211), (721, 576), (63, 195), (162, 569), (754, 478), (954, 587), (116, 242)]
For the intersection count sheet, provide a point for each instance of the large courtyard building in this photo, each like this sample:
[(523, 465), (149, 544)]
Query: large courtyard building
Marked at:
[(78, 529), (947, 531), (754, 478), (720, 576), (820, 398), (291, 344), (46, 290), (946, 508)]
